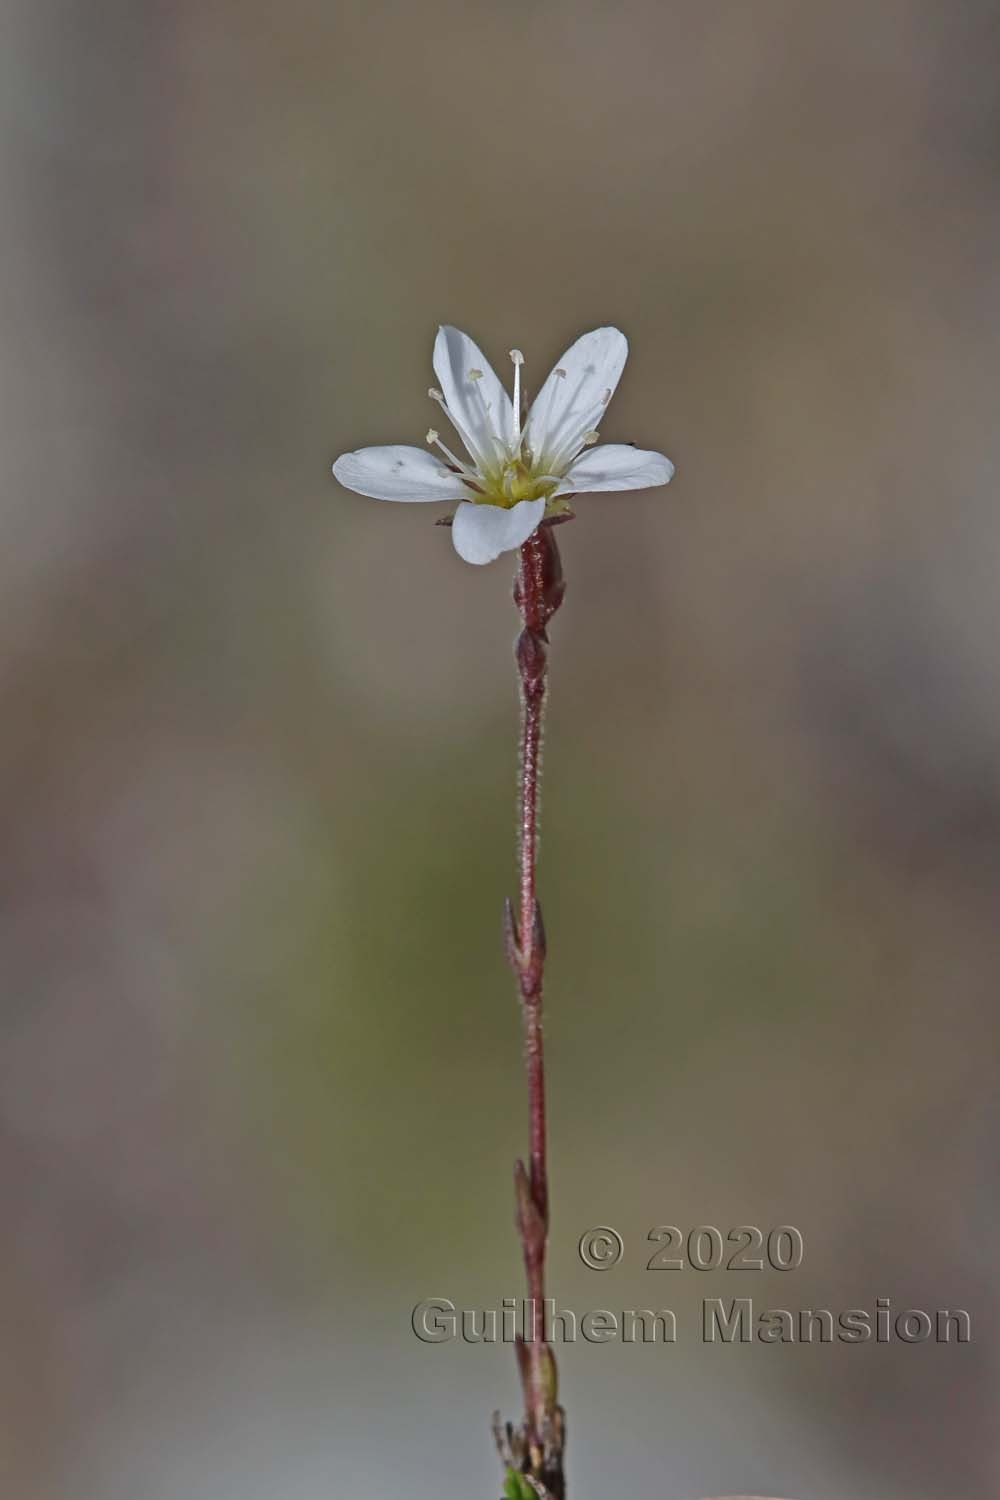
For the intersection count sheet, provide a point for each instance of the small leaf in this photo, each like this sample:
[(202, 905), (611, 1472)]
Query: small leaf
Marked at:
[(517, 1487)]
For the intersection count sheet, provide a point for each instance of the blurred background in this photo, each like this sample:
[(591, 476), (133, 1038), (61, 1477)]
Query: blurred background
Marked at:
[(259, 1073)]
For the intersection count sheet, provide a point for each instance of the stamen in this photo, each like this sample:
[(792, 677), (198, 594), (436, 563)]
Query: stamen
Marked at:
[(473, 440), (540, 431), (456, 463), (436, 395), (569, 450), (499, 446), (518, 360), (566, 454)]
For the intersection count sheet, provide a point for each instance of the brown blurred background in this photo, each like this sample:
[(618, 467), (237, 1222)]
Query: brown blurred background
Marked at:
[(259, 1085)]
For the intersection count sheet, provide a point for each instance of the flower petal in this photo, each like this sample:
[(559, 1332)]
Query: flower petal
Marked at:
[(574, 397), (615, 466), (398, 473), (482, 532), (480, 407)]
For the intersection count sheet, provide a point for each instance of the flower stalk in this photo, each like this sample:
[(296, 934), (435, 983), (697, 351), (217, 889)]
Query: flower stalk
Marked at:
[(536, 1449)]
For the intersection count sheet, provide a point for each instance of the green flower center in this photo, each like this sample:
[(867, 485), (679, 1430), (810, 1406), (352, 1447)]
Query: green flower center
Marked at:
[(514, 482)]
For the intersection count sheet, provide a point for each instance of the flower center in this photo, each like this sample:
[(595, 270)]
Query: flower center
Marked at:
[(517, 483)]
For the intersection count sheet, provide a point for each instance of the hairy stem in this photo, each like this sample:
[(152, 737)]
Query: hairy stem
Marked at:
[(538, 592)]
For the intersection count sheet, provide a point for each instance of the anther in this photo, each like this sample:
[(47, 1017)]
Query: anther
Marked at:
[(475, 374), (590, 438)]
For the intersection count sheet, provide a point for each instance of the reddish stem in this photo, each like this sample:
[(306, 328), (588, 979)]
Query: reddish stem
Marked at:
[(531, 661), (538, 593)]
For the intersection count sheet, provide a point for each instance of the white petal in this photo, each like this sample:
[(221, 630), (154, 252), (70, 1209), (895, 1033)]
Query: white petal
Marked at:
[(398, 473), (480, 407), (615, 466), (572, 403), (482, 532)]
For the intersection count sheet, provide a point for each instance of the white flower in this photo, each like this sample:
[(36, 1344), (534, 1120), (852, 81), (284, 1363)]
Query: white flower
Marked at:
[(513, 476)]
